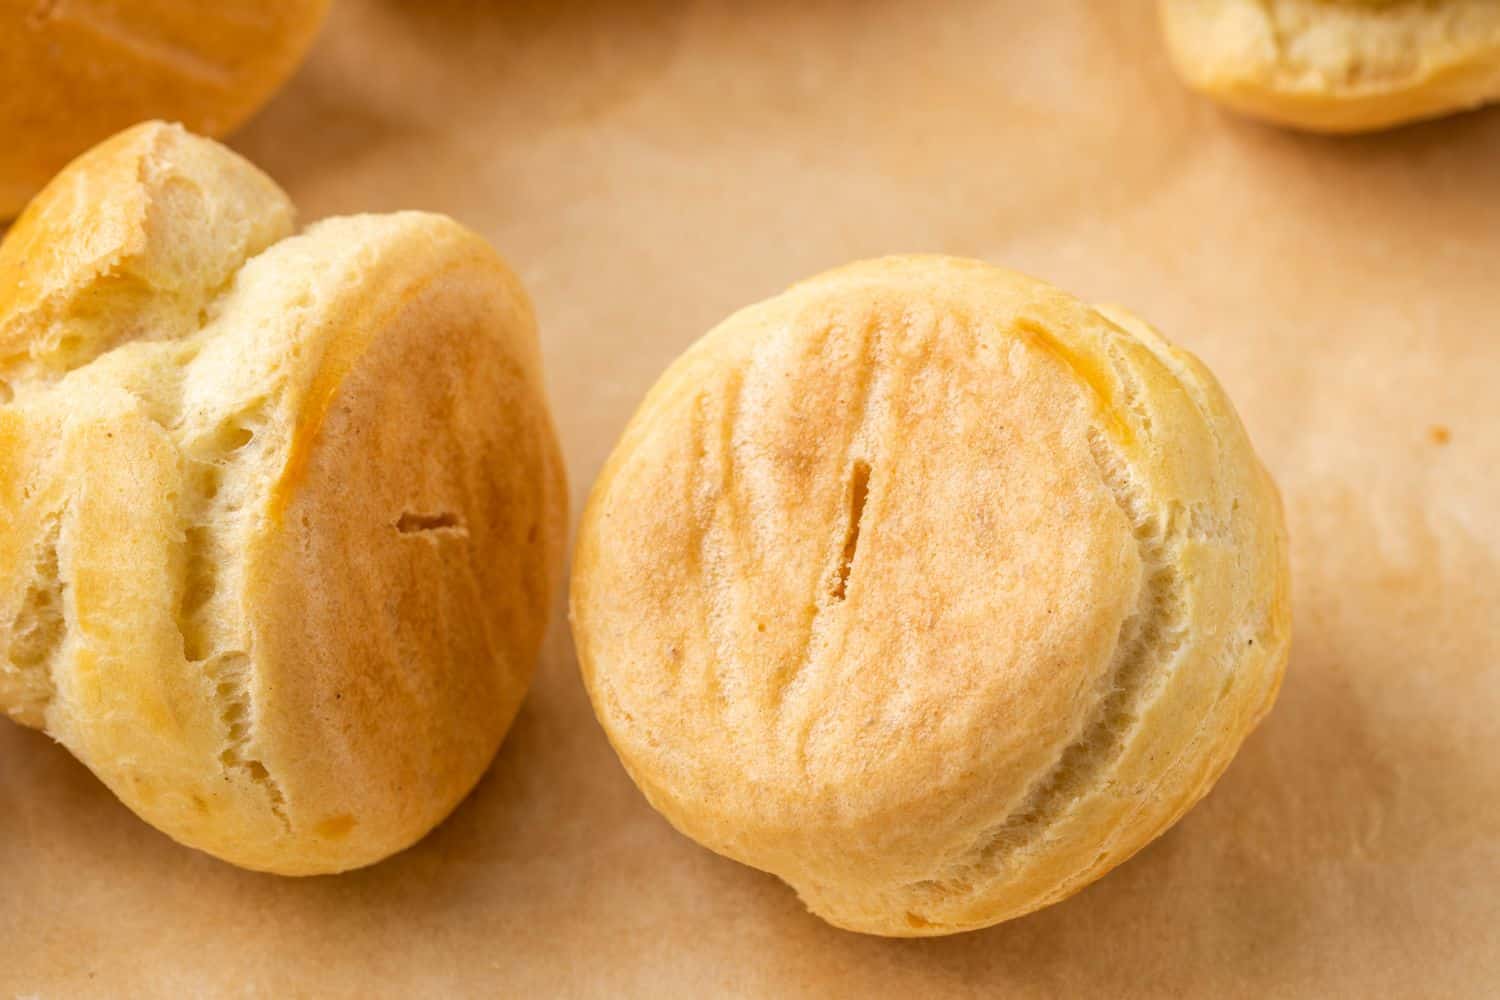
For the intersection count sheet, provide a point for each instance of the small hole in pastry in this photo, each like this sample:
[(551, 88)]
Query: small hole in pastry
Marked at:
[(233, 437), (410, 523)]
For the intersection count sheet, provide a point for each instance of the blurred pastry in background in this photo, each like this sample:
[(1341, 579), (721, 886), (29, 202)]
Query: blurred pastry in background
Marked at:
[(1338, 65), (74, 72)]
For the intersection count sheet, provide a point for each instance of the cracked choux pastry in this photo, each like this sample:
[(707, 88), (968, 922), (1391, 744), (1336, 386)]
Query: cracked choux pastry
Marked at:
[(280, 513), (74, 72), (1338, 65), (932, 591)]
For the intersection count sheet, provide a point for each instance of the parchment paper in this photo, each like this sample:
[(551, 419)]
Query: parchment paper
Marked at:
[(649, 166)]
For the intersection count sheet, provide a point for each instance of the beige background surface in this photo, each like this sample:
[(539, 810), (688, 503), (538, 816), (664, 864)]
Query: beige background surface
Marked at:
[(650, 165)]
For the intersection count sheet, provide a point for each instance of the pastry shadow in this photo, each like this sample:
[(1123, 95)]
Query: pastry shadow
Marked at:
[(1457, 151), (1321, 796)]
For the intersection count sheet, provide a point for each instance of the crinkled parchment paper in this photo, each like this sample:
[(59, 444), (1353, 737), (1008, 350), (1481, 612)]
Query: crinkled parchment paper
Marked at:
[(649, 166)]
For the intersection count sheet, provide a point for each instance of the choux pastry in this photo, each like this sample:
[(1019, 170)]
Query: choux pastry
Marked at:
[(74, 72), (932, 591), (1338, 65), (280, 514)]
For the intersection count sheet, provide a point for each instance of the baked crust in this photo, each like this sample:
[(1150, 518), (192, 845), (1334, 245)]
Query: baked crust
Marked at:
[(930, 590), (1338, 65), (74, 72), (280, 515)]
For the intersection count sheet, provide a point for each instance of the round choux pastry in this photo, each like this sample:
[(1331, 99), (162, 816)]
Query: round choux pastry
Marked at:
[(281, 515), (1338, 65), (74, 72), (932, 591)]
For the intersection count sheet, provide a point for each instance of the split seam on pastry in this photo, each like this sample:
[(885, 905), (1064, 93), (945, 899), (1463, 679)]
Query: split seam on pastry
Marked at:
[(225, 660), (1173, 528), (203, 510), (1150, 637), (1192, 384), (40, 626)]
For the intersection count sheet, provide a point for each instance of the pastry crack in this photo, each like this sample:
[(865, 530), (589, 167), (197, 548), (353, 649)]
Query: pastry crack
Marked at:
[(39, 630), (1149, 641), (216, 461), (859, 493)]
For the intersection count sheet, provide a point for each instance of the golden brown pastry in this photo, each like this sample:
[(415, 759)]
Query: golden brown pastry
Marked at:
[(1338, 65), (73, 72), (280, 515), (932, 591)]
